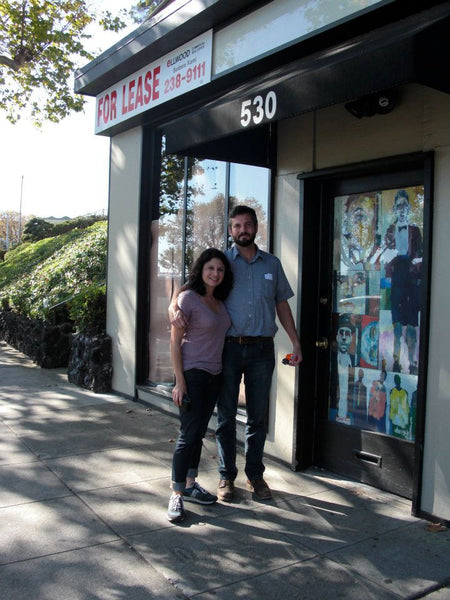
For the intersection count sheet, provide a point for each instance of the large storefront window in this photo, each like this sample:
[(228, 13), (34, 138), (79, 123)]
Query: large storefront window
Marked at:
[(377, 268), (195, 198)]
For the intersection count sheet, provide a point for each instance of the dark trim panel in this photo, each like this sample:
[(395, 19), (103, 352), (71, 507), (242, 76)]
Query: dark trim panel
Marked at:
[(252, 147), (428, 166), (150, 175), (422, 514)]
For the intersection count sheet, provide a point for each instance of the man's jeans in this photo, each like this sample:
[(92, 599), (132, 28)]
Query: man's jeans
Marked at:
[(203, 389), (256, 362)]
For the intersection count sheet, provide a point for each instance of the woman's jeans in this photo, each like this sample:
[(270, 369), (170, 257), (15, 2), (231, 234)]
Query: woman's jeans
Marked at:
[(203, 389), (256, 361)]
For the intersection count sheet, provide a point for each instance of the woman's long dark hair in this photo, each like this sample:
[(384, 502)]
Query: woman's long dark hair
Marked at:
[(195, 280)]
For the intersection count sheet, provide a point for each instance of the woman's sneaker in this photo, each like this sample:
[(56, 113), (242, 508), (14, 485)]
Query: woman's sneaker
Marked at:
[(176, 512), (198, 494)]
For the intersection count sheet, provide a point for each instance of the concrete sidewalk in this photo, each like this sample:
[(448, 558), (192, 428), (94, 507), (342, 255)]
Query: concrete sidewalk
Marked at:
[(84, 485)]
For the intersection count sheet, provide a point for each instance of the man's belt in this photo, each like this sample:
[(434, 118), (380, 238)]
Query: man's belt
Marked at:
[(245, 340)]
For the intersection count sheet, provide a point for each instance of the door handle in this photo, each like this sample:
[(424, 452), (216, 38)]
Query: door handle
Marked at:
[(322, 344)]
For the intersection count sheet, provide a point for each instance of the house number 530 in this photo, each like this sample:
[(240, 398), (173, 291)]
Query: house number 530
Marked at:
[(257, 108)]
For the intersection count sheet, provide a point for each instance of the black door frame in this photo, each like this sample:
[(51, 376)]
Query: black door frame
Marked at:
[(314, 223)]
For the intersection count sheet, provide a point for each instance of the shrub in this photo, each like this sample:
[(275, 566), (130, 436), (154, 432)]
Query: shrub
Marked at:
[(38, 278), (37, 229), (78, 223), (87, 310)]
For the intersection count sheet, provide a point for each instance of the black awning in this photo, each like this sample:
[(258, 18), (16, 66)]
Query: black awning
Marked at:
[(411, 50), (252, 147)]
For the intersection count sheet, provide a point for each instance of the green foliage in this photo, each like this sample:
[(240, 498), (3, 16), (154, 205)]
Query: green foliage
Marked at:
[(78, 223), (37, 277), (88, 309), (144, 9), (37, 229), (41, 45)]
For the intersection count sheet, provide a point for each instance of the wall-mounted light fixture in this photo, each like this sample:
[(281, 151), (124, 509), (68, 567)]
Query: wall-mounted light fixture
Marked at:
[(368, 106)]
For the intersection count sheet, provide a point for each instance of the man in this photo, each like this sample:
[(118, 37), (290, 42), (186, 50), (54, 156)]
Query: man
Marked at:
[(260, 291), (404, 241)]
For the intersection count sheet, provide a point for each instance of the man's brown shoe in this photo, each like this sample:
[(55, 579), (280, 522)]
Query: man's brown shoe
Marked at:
[(225, 491), (260, 488)]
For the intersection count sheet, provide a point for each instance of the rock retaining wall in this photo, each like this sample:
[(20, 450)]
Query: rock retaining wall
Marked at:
[(47, 345), (90, 363), (88, 357)]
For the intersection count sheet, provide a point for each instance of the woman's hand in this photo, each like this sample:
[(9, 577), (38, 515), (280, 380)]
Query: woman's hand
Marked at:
[(178, 392)]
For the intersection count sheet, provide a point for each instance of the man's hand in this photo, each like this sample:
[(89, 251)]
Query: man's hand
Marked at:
[(176, 316), (296, 356), (285, 315)]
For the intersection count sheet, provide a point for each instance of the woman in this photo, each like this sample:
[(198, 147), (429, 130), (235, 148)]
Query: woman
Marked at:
[(197, 361)]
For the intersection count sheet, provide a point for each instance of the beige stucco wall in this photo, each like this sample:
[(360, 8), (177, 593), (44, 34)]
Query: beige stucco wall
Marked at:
[(332, 137), (125, 177), (436, 467), (286, 246)]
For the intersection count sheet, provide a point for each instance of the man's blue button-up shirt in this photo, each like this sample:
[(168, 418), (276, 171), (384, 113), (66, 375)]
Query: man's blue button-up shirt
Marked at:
[(259, 285)]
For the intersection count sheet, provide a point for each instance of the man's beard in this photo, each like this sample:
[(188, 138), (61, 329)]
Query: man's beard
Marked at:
[(244, 241)]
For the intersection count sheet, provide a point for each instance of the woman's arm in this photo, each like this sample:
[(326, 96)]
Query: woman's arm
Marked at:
[(176, 335)]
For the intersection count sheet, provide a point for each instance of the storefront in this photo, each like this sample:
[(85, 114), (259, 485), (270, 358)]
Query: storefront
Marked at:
[(333, 121)]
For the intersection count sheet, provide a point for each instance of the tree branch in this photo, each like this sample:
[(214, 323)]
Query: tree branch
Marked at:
[(9, 62)]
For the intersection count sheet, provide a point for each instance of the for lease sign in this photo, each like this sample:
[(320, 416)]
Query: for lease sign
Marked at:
[(176, 73)]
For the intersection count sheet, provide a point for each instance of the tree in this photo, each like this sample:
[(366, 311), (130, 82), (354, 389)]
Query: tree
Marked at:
[(148, 8), (37, 229), (41, 45), (11, 224)]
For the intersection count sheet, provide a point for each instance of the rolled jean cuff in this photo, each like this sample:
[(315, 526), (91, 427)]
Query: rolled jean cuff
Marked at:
[(178, 487), (192, 473)]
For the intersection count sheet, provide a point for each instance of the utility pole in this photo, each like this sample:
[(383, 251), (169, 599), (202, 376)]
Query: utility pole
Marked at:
[(20, 210), (7, 231)]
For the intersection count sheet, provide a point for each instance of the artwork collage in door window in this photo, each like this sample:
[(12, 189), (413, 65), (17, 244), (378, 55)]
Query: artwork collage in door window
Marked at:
[(377, 273)]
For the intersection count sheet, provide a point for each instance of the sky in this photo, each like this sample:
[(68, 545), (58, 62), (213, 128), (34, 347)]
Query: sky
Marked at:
[(61, 169)]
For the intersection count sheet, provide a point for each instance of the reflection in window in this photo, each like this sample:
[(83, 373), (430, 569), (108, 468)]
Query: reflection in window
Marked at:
[(205, 216), (165, 264), (250, 186), (194, 200)]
